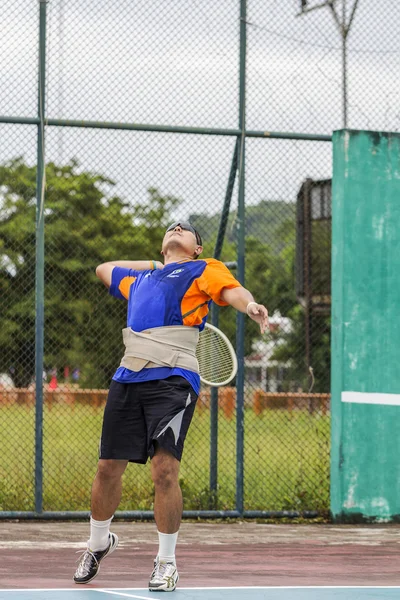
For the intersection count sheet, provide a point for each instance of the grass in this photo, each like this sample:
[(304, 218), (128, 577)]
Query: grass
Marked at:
[(286, 463)]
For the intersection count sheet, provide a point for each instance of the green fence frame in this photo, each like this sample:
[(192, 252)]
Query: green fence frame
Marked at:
[(237, 168)]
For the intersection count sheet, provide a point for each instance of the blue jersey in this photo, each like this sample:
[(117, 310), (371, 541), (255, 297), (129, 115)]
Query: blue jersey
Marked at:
[(178, 294)]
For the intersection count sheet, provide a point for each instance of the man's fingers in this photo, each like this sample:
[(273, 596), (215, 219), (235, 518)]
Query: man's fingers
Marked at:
[(260, 314), (264, 322)]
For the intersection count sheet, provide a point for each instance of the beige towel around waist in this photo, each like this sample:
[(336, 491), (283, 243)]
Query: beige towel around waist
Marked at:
[(170, 346)]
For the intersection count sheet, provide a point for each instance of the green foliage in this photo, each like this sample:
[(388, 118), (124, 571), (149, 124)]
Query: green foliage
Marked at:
[(269, 261), (263, 222), (85, 225), (321, 237), (269, 280), (270, 276), (294, 352)]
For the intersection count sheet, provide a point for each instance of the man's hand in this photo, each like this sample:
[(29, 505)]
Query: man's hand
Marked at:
[(259, 314), (242, 300)]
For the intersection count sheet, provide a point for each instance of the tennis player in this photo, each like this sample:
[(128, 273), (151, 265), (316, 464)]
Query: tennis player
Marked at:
[(154, 391)]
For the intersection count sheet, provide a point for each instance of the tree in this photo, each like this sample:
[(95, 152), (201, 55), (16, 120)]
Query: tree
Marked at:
[(263, 222), (85, 224), (270, 275), (293, 350)]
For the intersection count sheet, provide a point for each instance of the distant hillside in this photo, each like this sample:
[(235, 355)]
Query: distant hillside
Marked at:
[(264, 221)]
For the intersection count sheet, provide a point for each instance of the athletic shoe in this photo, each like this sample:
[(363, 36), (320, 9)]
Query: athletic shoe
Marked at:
[(89, 564), (164, 577)]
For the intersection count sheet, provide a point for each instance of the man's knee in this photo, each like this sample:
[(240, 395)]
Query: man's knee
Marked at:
[(110, 469), (164, 470)]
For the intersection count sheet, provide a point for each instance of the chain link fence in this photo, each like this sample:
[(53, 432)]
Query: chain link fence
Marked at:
[(146, 110)]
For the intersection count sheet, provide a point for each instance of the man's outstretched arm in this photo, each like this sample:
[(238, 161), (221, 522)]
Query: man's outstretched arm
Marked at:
[(242, 300), (104, 271)]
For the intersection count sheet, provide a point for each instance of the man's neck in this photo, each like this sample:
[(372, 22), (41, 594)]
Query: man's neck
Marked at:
[(174, 258)]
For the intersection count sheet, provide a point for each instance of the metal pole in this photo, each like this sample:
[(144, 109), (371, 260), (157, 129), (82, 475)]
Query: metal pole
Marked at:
[(61, 21), (344, 63), (40, 184), (281, 135), (227, 203), (241, 266), (214, 428), (149, 514), (215, 321), (307, 261)]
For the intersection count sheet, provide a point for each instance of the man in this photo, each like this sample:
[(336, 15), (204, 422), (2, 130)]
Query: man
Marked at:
[(154, 391)]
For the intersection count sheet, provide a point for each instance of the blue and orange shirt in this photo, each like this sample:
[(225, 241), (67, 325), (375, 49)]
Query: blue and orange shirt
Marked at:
[(178, 294)]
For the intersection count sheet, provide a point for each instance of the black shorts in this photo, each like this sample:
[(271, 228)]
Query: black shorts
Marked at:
[(138, 416)]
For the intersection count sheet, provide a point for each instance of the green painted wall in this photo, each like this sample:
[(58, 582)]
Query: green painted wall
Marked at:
[(365, 454)]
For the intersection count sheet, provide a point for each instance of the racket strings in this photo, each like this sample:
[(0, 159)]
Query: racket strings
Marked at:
[(215, 359)]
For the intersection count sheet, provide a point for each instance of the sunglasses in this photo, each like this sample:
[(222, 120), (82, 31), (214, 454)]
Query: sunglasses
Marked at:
[(186, 226)]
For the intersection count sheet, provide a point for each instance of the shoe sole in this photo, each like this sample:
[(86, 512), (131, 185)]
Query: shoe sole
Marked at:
[(110, 551)]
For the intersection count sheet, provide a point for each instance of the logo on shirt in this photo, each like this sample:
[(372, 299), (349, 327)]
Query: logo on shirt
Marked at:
[(175, 273)]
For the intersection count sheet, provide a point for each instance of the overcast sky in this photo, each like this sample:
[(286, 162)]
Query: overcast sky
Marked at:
[(175, 62)]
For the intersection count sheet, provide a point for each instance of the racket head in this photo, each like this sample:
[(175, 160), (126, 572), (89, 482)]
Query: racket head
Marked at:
[(217, 357)]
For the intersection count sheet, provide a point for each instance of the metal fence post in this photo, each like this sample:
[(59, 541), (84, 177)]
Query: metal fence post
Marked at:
[(215, 321), (227, 202), (39, 333), (214, 429), (241, 266)]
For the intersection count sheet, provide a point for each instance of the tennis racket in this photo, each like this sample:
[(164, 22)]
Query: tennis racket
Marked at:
[(216, 356)]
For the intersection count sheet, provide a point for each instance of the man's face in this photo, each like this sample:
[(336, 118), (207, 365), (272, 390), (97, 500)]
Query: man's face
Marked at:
[(179, 237)]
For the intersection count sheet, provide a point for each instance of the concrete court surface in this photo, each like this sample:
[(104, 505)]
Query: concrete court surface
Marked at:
[(41, 554)]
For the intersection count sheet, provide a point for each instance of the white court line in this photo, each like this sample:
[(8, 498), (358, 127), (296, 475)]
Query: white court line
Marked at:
[(288, 587), (122, 594), (297, 587), (371, 398), (237, 587), (72, 590)]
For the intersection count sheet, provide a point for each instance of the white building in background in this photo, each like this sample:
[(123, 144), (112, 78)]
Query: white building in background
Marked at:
[(262, 371)]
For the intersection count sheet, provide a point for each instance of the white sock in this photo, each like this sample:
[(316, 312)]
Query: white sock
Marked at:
[(99, 533), (166, 548)]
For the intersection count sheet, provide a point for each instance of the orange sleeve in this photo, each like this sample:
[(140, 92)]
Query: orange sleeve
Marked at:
[(216, 277), (124, 286)]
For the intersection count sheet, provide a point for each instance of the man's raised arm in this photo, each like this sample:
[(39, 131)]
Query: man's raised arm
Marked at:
[(242, 300), (104, 271)]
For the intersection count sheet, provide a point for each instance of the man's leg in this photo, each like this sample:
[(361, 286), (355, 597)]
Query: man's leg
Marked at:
[(168, 515), (106, 495), (168, 495), (107, 487), (168, 408)]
